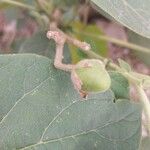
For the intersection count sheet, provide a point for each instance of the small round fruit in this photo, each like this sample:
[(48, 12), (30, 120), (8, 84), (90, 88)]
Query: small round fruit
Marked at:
[(90, 75)]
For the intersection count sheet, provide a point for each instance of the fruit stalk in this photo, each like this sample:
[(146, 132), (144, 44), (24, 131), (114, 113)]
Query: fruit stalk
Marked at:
[(145, 103)]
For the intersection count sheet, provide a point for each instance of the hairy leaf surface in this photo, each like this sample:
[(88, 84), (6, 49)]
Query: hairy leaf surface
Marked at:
[(40, 110)]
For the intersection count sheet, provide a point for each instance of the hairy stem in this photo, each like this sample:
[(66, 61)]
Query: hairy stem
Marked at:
[(18, 4), (85, 48), (60, 39), (146, 104), (118, 42)]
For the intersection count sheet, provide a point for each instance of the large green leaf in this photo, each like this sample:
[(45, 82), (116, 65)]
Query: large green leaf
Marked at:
[(40, 110), (134, 14)]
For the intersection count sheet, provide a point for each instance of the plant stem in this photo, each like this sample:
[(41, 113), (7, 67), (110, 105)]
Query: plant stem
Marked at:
[(18, 4), (59, 39), (58, 35), (146, 104), (118, 42), (44, 5), (132, 76), (92, 54)]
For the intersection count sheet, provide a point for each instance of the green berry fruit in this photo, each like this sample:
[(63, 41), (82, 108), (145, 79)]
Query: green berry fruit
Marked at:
[(90, 75)]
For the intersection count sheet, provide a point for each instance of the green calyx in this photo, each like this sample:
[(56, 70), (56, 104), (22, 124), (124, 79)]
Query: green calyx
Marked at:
[(90, 75)]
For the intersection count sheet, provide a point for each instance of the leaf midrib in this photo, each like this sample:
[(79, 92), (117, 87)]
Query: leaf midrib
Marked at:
[(78, 134), (20, 99)]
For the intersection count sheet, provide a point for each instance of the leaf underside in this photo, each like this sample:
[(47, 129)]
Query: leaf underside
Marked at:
[(134, 14), (40, 110)]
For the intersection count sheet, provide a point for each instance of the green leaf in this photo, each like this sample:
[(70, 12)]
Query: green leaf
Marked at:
[(39, 109), (119, 85), (133, 14), (124, 65), (98, 46), (145, 144)]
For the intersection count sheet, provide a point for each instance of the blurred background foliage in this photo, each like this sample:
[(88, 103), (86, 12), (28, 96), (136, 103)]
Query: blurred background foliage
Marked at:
[(42, 11), (26, 19)]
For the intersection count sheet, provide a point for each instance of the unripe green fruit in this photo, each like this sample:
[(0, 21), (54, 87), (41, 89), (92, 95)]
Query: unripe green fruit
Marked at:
[(90, 75)]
